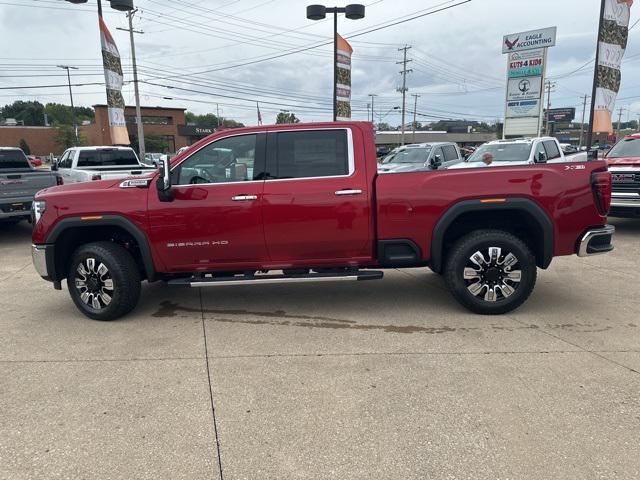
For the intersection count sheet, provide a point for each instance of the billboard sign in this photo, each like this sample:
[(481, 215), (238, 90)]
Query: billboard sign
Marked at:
[(542, 38), (524, 88), (561, 115), (528, 63)]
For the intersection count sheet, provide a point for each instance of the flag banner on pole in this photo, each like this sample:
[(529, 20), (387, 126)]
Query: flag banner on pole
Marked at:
[(113, 81), (343, 87), (612, 42)]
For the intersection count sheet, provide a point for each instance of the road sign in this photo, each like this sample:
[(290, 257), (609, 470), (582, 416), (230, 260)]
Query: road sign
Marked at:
[(564, 115), (542, 38)]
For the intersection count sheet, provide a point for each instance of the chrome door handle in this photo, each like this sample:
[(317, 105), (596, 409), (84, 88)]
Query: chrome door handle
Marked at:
[(348, 192), (244, 198)]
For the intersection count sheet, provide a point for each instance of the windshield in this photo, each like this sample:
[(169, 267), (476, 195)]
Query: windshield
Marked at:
[(408, 155), (503, 152), (13, 159), (629, 147)]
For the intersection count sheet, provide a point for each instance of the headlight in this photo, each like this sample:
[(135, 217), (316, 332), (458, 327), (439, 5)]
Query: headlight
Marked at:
[(37, 209)]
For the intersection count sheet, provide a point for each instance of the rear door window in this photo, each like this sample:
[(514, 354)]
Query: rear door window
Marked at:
[(552, 149), (317, 153), (450, 153)]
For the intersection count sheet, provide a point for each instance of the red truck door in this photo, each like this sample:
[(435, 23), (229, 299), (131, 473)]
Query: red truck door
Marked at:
[(215, 217), (316, 199)]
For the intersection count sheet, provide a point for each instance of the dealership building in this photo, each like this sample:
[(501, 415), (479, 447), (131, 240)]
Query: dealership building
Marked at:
[(168, 123)]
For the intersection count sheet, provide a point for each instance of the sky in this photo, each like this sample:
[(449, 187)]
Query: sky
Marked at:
[(208, 55)]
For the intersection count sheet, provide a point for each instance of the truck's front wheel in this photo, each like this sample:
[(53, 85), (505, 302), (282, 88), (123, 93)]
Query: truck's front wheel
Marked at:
[(103, 280), (490, 271)]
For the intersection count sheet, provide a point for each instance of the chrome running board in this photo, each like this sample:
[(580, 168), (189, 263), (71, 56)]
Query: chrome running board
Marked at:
[(273, 279)]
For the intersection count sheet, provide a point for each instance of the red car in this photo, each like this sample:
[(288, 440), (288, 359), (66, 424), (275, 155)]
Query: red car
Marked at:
[(306, 201), (624, 165), (34, 161)]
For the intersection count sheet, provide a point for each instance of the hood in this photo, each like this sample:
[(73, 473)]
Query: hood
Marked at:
[(482, 164), (80, 187), (624, 161), (401, 167)]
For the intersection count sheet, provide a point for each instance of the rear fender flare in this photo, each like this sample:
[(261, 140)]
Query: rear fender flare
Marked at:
[(514, 204)]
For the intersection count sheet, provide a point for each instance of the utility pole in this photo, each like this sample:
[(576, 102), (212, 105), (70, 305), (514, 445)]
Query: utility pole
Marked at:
[(620, 110), (218, 115), (373, 97), (548, 85), (404, 88), (415, 110), (140, 128), (73, 110), (584, 109)]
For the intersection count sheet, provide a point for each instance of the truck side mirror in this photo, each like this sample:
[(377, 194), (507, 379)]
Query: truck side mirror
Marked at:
[(592, 154), (541, 157), (54, 165), (163, 182), (436, 162)]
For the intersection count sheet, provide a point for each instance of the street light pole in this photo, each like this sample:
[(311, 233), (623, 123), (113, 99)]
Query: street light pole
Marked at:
[(73, 110), (319, 12)]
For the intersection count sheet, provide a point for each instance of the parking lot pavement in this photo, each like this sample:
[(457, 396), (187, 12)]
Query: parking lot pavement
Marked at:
[(388, 379)]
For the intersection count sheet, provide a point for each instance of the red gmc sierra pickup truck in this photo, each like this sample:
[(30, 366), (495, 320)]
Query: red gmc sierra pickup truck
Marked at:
[(305, 202)]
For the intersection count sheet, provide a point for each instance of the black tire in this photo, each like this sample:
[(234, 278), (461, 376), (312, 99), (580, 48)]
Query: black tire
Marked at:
[(115, 298), (494, 289)]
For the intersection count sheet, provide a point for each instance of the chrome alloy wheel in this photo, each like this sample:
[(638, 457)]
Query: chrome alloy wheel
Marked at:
[(94, 283), (491, 275)]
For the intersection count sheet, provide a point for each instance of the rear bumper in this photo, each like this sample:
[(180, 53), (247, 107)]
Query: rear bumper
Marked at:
[(596, 241), (43, 261)]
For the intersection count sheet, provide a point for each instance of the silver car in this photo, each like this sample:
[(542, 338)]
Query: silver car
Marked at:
[(421, 156)]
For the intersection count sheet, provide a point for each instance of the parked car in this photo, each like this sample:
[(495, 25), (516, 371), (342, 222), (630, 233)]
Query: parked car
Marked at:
[(421, 156), (154, 159), (521, 151), (85, 164), (34, 161), (306, 201), (19, 182), (568, 149), (624, 165)]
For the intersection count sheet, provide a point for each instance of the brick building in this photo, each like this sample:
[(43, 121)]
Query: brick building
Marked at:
[(168, 123), (161, 121), (41, 140)]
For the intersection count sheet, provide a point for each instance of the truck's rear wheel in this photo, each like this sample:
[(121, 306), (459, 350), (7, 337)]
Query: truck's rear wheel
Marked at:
[(103, 280), (490, 272)]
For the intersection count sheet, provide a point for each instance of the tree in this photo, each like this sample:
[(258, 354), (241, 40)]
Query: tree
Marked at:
[(153, 143), (209, 120), (287, 117), (24, 146), (65, 137), (59, 114), (384, 127), (31, 112)]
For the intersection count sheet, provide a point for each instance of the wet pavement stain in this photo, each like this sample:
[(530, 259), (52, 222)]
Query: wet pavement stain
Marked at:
[(283, 319)]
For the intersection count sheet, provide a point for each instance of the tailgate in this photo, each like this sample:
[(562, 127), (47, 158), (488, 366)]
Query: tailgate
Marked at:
[(24, 184)]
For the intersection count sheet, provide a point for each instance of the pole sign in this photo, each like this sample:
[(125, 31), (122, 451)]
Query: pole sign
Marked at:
[(526, 65), (543, 38)]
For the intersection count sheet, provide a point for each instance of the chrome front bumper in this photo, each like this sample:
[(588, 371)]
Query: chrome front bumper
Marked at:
[(596, 241), (39, 259)]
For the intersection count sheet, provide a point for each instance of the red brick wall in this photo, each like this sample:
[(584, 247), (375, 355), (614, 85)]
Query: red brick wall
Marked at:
[(41, 140)]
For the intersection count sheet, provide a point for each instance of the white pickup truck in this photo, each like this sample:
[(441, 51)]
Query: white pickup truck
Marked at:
[(84, 164), (520, 151)]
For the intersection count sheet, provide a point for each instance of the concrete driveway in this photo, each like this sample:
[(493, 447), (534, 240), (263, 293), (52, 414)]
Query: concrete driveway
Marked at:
[(384, 380)]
